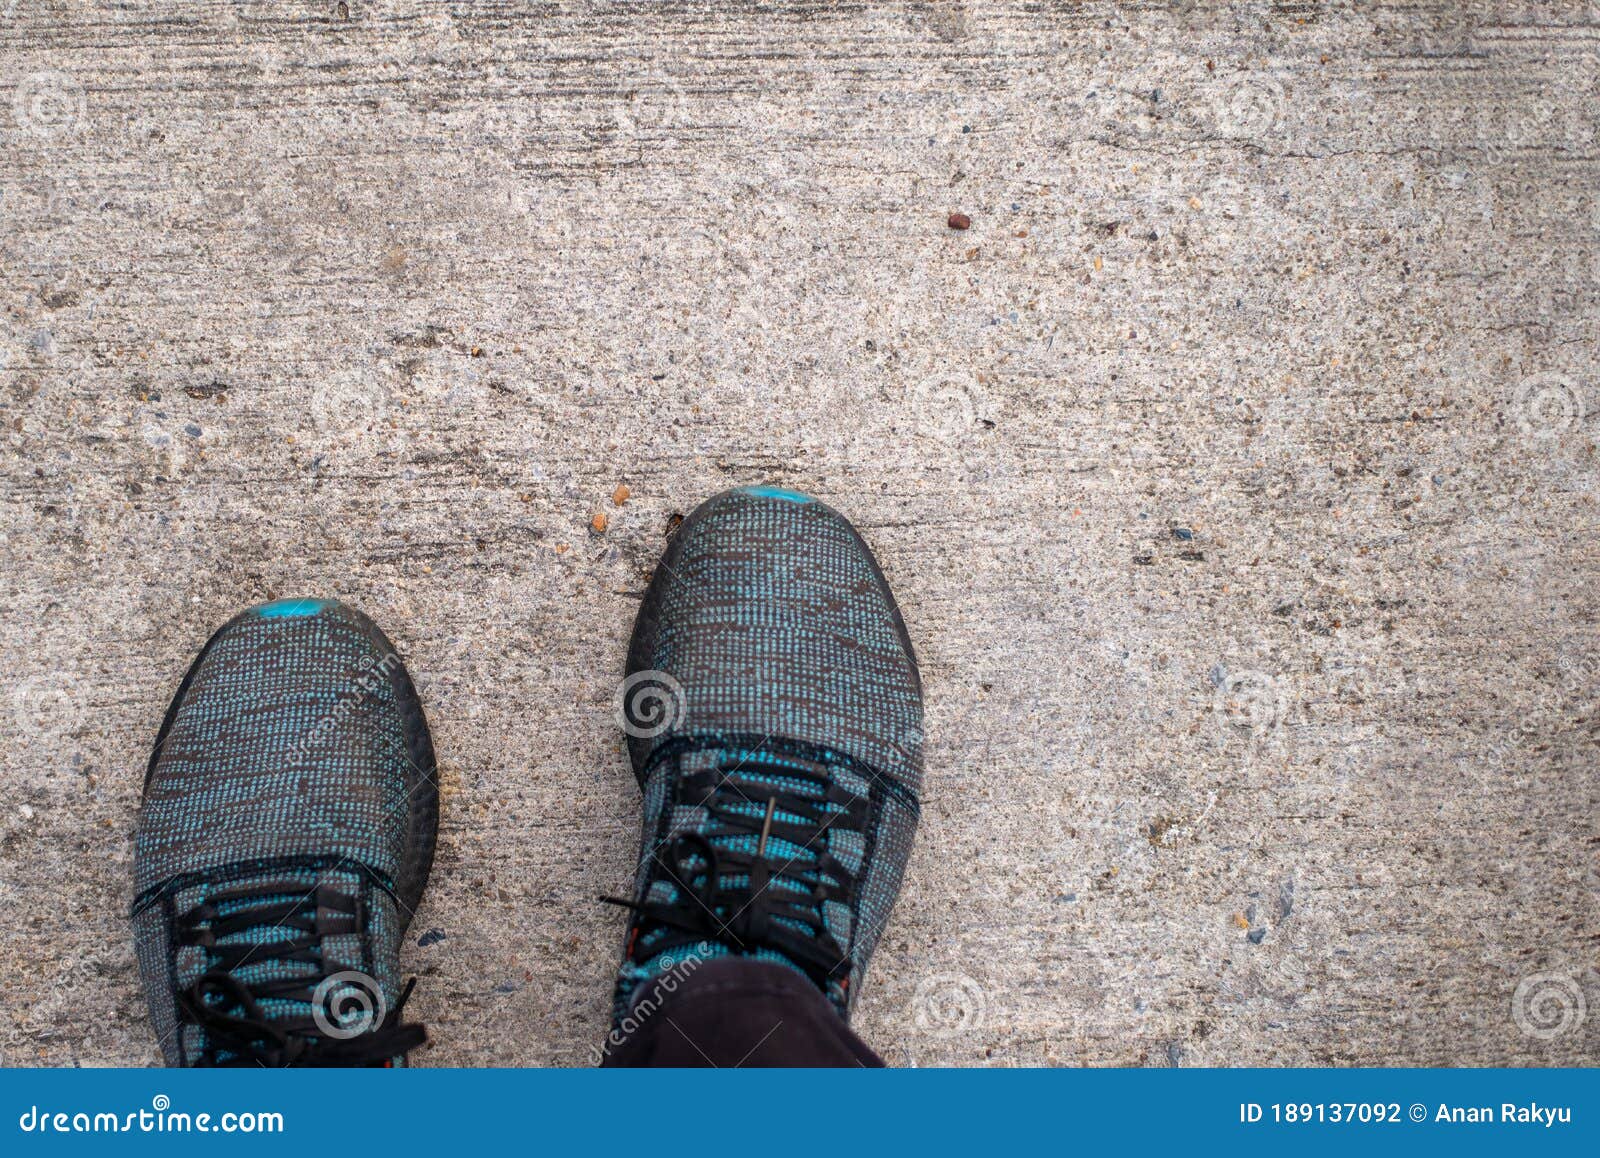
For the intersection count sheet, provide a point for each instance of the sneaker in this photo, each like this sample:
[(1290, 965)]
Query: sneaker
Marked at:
[(287, 830), (774, 718)]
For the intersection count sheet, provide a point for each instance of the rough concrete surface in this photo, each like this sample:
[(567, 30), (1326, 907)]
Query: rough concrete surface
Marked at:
[(1236, 469)]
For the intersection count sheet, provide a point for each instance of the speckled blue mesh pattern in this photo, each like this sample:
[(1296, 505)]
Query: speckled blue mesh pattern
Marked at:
[(289, 761), (373, 951), (289, 741), (773, 619), (770, 614)]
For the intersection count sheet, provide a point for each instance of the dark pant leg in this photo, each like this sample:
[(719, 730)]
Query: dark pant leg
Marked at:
[(734, 1012)]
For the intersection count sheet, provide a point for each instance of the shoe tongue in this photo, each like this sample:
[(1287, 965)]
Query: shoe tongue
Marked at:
[(339, 952)]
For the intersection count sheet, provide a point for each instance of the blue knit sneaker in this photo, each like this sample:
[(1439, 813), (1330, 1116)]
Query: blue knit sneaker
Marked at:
[(290, 810), (774, 718)]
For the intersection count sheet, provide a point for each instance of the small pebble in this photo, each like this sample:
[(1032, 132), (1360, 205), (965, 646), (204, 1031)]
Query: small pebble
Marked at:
[(1183, 533), (621, 495), (959, 221), (597, 525)]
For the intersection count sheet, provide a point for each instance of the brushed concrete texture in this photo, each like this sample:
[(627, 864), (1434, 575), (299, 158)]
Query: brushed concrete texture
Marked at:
[(1236, 469)]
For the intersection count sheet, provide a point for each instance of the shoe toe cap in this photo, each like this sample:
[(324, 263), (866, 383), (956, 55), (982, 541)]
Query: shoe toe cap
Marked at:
[(770, 615)]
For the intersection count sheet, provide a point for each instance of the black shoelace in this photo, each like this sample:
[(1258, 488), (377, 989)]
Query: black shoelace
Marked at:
[(731, 888), (238, 1030)]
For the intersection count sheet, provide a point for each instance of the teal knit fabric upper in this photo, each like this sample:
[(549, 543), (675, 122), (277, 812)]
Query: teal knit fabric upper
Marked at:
[(787, 674), (294, 758)]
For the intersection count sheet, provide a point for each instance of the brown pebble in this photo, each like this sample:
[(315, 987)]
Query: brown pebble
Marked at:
[(621, 495), (597, 525), (959, 221), (477, 351)]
